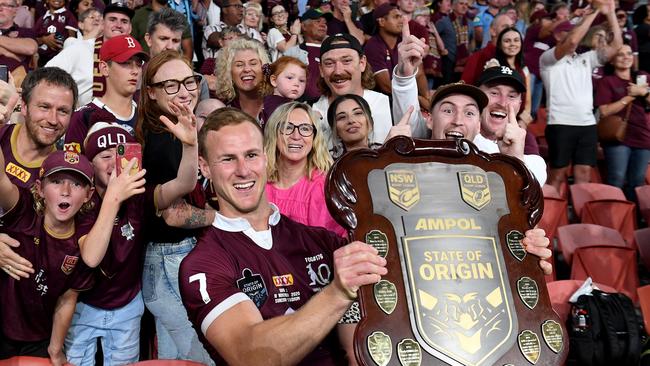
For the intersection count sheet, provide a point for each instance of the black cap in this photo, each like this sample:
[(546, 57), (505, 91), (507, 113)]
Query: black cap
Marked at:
[(312, 14), (119, 7), (461, 88), (502, 75), (340, 40)]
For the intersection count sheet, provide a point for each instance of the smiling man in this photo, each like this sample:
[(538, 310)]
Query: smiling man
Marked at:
[(121, 60), (81, 59)]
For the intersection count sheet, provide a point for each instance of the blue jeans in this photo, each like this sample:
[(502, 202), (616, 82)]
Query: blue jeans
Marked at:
[(626, 165), (118, 330), (536, 97), (176, 337)]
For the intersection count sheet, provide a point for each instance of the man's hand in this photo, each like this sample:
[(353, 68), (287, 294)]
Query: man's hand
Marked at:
[(185, 129), (10, 262), (536, 243), (8, 100), (513, 139), (57, 357), (402, 128), (355, 265), (411, 51)]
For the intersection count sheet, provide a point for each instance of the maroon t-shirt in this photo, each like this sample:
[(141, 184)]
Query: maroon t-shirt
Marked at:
[(119, 278), (16, 32), (476, 62), (335, 26), (21, 173), (534, 47), (28, 305), (380, 56), (230, 268), (611, 88), (57, 23), (95, 111)]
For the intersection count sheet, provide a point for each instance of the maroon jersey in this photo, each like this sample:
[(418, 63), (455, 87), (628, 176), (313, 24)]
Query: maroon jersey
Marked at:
[(59, 22), (227, 267), (16, 32), (380, 56), (119, 277), (28, 305), (99, 80), (96, 111), (21, 173), (313, 71)]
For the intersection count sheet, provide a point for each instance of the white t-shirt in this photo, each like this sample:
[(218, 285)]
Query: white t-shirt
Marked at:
[(77, 59), (379, 107), (272, 39), (569, 87)]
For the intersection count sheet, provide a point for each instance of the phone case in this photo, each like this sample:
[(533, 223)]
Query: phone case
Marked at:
[(124, 153)]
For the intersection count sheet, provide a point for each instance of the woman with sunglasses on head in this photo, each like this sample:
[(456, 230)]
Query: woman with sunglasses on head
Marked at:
[(168, 85), (297, 166)]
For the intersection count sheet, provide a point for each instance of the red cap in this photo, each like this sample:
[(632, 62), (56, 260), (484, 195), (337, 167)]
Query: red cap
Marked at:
[(59, 161), (121, 49)]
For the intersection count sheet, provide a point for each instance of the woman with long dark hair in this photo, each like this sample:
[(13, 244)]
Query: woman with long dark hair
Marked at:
[(510, 52)]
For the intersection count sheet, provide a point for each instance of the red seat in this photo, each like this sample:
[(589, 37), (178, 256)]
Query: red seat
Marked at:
[(610, 265), (25, 361), (167, 363), (571, 237), (554, 216), (615, 214), (561, 291), (644, 301), (585, 192), (643, 197), (642, 237)]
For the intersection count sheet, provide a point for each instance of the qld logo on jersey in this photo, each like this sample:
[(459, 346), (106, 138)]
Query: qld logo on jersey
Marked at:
[(69, 262), (253, 286)]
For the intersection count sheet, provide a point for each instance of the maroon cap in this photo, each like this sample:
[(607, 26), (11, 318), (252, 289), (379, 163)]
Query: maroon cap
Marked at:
[(540, 14), (383, 10), (565, 26), (121, 49), (103, 136), (59, 161)]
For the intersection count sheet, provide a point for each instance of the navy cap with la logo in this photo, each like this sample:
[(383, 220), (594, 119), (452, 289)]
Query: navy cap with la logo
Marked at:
[(502, 75)]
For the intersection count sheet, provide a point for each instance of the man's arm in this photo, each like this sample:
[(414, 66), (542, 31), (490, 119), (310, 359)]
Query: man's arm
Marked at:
[(63, 312), (8, 191), (382, 80), (242, 337), (352, 28), (568, 45), (19, 46), (606, 53)]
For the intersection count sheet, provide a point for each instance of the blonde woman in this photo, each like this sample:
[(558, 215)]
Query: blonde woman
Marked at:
[(297, 166), (241, 81), (252, 21)]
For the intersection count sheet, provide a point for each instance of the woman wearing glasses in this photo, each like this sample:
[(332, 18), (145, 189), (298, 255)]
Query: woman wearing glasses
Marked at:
[(280, 37), (168, 85), (298, 161)]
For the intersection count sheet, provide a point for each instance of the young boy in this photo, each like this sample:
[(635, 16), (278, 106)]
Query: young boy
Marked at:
[(52, 29)]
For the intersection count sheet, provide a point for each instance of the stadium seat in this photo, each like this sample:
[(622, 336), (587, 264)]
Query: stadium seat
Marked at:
[(571, 237), (585, 192), (26, 361), (610, 265), (642, 237), (643, 197), (555, 213), (615, 214), (644, 301), (561, 291)]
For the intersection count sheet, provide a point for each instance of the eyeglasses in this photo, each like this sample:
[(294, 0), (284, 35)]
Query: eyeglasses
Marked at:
[(172, 86), (304, 129), (8, 6)]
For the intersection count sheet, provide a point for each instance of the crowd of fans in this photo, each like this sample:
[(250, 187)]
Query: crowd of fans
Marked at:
[(245, 264)]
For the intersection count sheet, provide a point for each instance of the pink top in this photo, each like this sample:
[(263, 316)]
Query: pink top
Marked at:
[(305, 202)]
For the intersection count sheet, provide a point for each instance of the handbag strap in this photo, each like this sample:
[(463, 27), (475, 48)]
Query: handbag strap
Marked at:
[(628, 111)]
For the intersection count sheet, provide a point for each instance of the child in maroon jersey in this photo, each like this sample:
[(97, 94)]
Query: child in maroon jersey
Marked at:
[(35, 313), (53, 28)]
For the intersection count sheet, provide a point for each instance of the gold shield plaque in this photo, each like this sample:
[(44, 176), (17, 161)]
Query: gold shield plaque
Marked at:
[(386, 296), (409, 352), (529, 346), (403, 188), (379, 240), (380, 348), (474, 189), (528, 291), (552, 334), (516, 248)]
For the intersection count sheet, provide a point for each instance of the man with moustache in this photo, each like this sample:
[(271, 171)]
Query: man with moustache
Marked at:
[(81, 60), (48, 98), (344, 70), (121, 60), (232, 13), (496, 130), (314, 31)]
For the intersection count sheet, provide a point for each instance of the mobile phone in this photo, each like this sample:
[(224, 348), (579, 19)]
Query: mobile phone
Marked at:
[(4, 73), (641, 80), (124, 153)]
